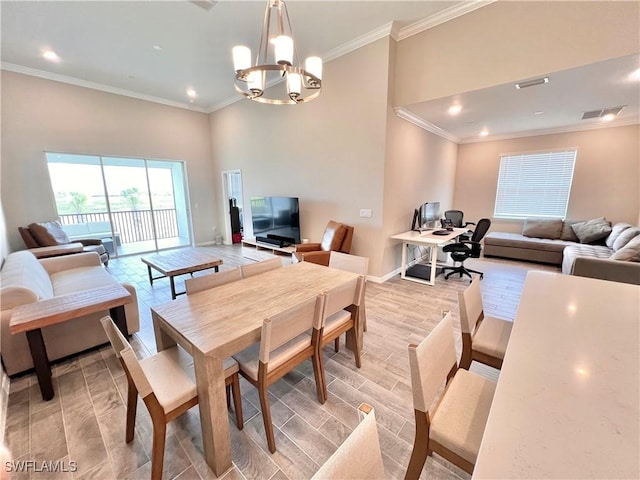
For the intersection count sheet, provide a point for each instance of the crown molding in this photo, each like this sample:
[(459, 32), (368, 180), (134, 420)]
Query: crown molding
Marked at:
[(359, 42), (443, 16), (552, 131), (422, 123), (11, 67)]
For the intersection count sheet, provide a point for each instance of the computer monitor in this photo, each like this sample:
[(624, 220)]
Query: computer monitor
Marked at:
[(430, 215)]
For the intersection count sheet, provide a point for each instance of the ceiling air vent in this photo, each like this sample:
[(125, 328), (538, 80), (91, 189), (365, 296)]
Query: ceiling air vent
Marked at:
[(532, 83), (205, 4), (601, 112)]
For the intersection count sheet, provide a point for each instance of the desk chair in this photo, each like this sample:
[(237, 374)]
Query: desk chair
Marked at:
[(284, 344), (484, 339), (359, 456), (453, 428), (457, 220), (460, 251), (166, 383)]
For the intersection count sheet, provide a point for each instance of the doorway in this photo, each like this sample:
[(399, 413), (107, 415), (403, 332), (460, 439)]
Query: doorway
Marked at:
[(232, 196)]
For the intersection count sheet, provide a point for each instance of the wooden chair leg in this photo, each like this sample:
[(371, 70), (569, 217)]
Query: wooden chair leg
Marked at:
[(132, 405), (237, 401), (466, 358), (228, 388), (336, 344), (318, 373), (157, 453), (420, 447), (266, 417), (356, 347)]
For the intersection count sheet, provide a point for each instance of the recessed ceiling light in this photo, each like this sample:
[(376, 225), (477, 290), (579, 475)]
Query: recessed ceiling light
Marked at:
[(635, 75), (484, 133), (455, 109), (50, 55), (608, 117), (157, 47), (539, 112), (532, 83), (192, 93)]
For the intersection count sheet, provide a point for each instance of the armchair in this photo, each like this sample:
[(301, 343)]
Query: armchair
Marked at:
[(49, 234), (337, 237)]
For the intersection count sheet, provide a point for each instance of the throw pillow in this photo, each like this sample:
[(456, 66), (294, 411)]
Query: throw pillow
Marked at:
[(591, 231), (567, 232), (625, 237), (48, 234), (630, 252), (333, 236), (616, 230), (542, 228)]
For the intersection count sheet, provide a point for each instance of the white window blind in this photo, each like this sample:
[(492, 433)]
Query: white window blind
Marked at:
[(535, 184)]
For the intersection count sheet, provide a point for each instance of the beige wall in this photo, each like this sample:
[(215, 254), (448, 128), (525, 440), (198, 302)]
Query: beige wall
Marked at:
[(508, 41), (606, 180), (40, 115), (330, 152), (419, 167)]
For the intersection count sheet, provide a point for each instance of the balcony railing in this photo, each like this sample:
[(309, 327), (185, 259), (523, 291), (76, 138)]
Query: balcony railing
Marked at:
[(132, 225)]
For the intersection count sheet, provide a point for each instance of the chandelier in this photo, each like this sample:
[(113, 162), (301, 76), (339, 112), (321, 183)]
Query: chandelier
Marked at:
[(276, 60)]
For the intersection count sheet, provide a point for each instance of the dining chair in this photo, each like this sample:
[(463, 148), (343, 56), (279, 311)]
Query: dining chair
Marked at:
[(454, 427), (484, 339), (287, 339), (354, 264), (212, 280), (166, 383), (359, 456), (257, 268), (337, 319)]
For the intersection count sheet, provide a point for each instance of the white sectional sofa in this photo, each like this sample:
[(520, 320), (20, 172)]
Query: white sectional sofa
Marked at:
[(615, 256), (26, 279)]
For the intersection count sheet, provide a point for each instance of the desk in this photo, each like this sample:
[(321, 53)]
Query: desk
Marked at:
[(216, 323), (425, 239), (32, 317), (567, 402)]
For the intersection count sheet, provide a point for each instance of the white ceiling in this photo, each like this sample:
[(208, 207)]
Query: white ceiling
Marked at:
[(109, 45)]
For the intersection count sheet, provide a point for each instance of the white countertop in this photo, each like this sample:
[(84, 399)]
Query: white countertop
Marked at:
[(567, 404)]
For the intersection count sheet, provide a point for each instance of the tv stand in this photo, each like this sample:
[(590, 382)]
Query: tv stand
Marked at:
[(257, 250)]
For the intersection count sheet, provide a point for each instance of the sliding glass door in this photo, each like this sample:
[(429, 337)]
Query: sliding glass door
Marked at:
[(132, 205)]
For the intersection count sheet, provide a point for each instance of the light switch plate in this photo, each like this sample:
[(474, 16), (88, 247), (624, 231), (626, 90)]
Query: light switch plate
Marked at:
[(365, 213)]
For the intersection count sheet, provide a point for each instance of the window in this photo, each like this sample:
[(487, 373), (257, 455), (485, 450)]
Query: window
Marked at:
[(535, 184)]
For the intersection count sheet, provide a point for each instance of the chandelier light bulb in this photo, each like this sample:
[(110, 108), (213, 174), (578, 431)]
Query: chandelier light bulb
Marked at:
[(241, 57), (255, 83), (313, 65), (275, 75), (283, 49), (294, 85)]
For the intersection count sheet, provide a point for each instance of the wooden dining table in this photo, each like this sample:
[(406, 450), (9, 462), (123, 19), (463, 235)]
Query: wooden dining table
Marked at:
[(214, 324)]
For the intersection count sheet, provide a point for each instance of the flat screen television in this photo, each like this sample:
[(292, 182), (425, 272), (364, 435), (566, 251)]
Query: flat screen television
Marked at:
[(276, 220)]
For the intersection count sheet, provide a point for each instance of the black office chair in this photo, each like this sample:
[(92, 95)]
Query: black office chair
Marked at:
[(456, 217), (460, 251)]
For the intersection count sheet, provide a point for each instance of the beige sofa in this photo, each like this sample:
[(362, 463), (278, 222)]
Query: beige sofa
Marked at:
[(26, 279), (614, 256)]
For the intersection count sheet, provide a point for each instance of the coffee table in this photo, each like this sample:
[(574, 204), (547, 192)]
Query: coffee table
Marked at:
[(179, 262), (32, 317)]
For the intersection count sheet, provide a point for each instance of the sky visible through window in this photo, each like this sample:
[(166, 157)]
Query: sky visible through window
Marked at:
[(78, 188)]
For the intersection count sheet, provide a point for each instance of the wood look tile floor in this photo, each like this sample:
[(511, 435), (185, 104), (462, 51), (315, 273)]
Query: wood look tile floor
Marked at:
[(85, 421)]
